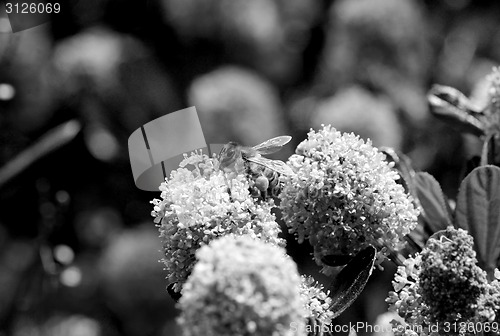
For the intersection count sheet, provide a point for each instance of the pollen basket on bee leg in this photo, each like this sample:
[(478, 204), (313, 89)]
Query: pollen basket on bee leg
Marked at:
[(262, 183)]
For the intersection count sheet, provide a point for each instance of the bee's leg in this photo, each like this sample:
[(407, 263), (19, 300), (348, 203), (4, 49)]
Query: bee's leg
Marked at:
[(263, 194), (275, 185), (262, 184), (229, 183)]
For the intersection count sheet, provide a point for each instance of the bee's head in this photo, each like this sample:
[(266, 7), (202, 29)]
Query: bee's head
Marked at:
[(229, 154), (229, 149)]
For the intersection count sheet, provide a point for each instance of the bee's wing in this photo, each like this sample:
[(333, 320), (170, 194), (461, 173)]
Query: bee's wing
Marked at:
[(272, 145), (276, 165)]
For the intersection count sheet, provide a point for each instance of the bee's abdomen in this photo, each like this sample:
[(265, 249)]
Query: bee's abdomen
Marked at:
[(264, 182)]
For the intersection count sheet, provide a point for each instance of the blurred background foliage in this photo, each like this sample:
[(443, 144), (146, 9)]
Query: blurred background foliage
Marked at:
[(78, 250)]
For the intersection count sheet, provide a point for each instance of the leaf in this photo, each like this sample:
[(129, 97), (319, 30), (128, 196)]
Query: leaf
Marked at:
[(478, 211), (352, 332), (470, 165), (453, 107), (173, 294), (351, 281), (335, 260), (416, 239), (488, 150), (434, 204), (402, 164)]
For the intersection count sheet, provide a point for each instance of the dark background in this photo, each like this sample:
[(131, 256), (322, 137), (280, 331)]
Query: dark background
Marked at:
[(78, 248)]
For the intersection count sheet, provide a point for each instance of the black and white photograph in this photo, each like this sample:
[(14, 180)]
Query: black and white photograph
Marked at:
[(249, 168)]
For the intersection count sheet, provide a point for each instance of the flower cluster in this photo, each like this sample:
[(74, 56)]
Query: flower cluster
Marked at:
[(316, 302), (389, 38), (486, 97), (344, 196), (494, 88), (238, 97), (197, 206), (444, 284), (356, 110), (406, 299), (450, 280), (242, 286)]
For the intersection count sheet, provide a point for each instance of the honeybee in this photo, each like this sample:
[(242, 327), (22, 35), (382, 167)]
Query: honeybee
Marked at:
[(237, 159), (234, 157)]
